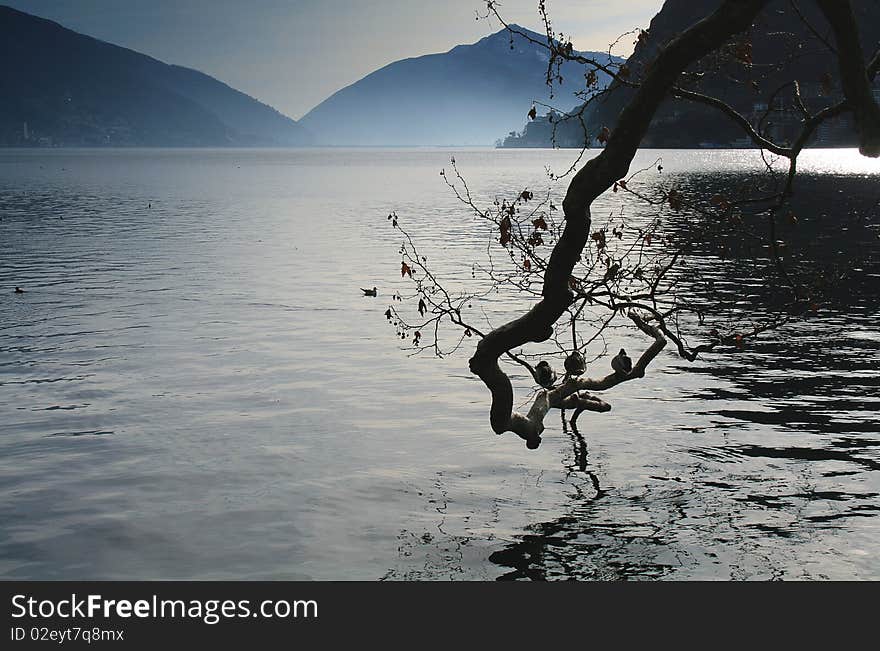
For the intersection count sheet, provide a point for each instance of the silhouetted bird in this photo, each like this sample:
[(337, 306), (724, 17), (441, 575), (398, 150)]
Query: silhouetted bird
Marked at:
[(545, 375), (19, 290), (575, 364), (622, 364), (370, 292)]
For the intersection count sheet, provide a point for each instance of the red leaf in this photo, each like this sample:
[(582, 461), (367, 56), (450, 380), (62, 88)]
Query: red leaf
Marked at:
[(827, 82), (527, 265), (744, 52), (405, 269), (604, 135), (505, 231), (540, 224)]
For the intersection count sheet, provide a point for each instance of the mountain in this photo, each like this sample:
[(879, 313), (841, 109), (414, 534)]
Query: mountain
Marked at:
[(784, 43), (62, 88), (472, 95)]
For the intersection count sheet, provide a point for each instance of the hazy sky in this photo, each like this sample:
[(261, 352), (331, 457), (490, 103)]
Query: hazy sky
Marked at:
[(294, 53)]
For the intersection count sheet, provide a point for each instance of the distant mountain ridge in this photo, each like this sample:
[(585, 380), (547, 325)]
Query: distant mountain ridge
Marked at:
[(471, 95), (59, 87), (781, 46)]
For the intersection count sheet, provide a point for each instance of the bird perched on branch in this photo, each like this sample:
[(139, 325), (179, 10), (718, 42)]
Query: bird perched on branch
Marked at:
[(370, 292), (545, 375), (575, 364), (621, 363)]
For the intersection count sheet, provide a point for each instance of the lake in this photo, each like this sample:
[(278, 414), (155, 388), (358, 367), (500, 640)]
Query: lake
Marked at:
[(194, 387)]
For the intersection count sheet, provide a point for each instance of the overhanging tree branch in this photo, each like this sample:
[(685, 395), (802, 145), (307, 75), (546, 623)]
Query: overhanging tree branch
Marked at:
[(596, 273), (597, 176)]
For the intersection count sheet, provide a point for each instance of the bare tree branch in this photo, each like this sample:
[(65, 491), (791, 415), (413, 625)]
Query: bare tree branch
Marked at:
[(597, 176)]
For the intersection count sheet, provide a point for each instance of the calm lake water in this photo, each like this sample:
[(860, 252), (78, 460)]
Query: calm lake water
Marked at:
[(193, 387)]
